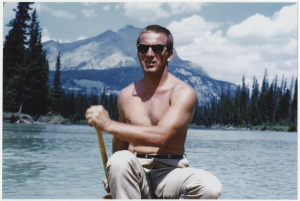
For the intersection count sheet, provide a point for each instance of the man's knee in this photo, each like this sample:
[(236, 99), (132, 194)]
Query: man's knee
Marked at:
[(202, 185), (211, 187), (120, 159), (212, 191)]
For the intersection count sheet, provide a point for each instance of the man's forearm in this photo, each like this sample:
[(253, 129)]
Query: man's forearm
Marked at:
[(139, 135)]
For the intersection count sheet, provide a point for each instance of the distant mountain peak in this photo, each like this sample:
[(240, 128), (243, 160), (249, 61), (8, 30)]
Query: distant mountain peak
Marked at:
[(128, 27), (105, 51)]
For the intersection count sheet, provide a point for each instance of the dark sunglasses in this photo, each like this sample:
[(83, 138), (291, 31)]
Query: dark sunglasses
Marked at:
[(159, 48)]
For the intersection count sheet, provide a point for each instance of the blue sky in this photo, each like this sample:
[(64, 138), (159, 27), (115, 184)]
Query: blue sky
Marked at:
[(226, 39)]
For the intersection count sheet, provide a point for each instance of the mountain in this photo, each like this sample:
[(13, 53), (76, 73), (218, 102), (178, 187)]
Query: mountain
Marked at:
[(109, 61), (105, 51)]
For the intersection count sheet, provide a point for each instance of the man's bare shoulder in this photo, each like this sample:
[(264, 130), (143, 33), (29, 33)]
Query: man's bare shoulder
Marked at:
[(127, 92), (183, 89)]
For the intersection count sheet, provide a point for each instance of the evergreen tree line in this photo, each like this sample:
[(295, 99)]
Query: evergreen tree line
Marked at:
[(272, 104), (73, 106), (26, 89), (26, 69)]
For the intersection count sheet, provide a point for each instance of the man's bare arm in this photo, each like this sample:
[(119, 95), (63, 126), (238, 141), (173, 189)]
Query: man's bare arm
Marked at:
[(179, 113)]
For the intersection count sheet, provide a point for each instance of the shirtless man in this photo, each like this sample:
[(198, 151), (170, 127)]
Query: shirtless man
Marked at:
[(148, 142)]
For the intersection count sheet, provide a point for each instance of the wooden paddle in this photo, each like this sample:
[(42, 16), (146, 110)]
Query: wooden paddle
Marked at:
[(104, 156)]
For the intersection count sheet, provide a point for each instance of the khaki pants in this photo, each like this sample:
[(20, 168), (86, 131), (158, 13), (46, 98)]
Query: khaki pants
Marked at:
[(136, 178)]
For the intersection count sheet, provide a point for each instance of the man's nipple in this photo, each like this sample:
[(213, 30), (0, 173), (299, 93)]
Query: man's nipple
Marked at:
[(128, 120)]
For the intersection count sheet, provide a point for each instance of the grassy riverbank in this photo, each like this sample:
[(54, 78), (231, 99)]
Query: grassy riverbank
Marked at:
[(266, 127), (289, 127)]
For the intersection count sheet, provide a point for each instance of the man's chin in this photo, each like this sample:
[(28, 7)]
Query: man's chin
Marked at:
[(149, 69)]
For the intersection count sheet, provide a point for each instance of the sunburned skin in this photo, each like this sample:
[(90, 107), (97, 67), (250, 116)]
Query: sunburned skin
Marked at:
[(141, 108), (154, 112)]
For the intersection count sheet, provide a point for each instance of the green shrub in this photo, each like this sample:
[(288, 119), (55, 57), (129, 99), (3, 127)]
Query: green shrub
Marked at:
[(292, 128)]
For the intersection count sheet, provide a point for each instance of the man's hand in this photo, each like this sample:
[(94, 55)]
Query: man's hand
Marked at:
[(106, 184), (98, 117)]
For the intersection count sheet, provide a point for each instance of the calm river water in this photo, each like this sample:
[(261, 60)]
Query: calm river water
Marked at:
[(64, 161)]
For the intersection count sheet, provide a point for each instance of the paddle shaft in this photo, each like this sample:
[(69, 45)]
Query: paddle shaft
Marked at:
[(102, 150)]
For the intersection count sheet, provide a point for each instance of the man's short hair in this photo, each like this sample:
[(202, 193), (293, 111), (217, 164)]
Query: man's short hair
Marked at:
[(159, 29)]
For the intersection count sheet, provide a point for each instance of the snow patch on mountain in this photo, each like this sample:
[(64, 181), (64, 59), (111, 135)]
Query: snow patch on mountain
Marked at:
[(117, 59), (106, 51), (183, 72)]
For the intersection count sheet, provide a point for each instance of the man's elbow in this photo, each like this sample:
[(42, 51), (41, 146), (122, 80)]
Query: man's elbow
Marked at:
[(161, 142), (163, 139)]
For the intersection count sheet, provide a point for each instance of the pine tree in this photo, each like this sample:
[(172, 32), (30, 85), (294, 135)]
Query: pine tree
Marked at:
[(207, 118), (195, 113), (14, 60), (71, 111), (244, 102), (116, 111), (290, 98), (57, 90), (221, 113), (276, 97), (38, 70), (282, 111), (270, 103), (262, 107), (294, 108), (85, 106), (94, 99), (103, 100), (199, 119), (254, 114), (236, 108), (110, 102), (77, 111), (213, 110), (64, 104), (228, 115), (220, 109)]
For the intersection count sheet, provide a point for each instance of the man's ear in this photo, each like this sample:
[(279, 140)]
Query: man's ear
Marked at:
[(171, 53)]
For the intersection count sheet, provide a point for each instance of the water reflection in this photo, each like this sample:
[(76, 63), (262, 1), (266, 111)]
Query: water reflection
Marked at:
[(64, 162)]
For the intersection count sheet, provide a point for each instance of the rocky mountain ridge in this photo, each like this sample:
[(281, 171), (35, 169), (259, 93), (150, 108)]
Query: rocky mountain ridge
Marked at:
[(105, 51), (109, 61)]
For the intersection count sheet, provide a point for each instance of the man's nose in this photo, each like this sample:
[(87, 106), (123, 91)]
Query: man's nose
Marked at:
[(150, 52)]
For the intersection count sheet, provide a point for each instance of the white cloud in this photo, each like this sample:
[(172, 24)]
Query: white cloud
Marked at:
[(81, 38), (150, 12), (271, 44), (264, 29), (178, 8), (107, 7), (89, 13), (145, 12), (89, 3), (118, 6), (37, 6), (187, 29), (46, 37), (56, 13)]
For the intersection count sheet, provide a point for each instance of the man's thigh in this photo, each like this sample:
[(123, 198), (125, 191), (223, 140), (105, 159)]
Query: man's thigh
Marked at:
[(184, 183), (127, 177)]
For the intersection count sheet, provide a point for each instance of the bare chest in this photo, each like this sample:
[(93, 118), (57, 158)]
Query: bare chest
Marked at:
[(145, 110)]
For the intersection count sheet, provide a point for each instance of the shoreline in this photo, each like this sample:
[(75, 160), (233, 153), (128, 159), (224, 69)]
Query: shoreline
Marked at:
[(264, 127), (55, 119)]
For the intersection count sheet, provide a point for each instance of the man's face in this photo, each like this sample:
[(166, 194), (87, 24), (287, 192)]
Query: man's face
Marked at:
[(152, 62)]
